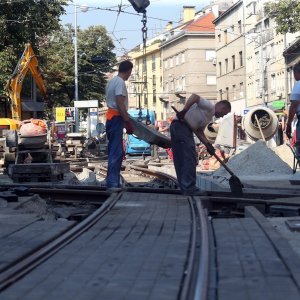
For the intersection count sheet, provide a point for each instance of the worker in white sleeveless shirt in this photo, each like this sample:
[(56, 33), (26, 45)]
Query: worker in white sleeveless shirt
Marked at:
[(197, 112), (295, 109)]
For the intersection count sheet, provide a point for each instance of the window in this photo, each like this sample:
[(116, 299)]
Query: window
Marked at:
[(178, 87), (183, 83), (182, 57), (154, 97), (258, 88), (154, 81), (227, 93), (166, 64), (240, 27), (225, 36), (232, 30), (257, 58), (211, 80), (273, 83), (234, 92), (267, 23), (153, 62), (251, 9), (210, 55), (219, 38), (226, 65), (220, 68), (241, 90), (233, 62), (241, 58), (220, 94)]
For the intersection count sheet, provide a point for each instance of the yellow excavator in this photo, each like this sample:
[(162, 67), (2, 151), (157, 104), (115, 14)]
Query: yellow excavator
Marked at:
[(28, 61)]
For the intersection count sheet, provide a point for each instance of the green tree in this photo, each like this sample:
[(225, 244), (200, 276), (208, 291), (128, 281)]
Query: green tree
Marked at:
[(57, 61), (22, 22), (286, 13)]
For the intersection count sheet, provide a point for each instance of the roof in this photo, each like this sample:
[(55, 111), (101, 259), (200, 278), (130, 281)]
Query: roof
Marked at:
[(228, 11), (202, 24)]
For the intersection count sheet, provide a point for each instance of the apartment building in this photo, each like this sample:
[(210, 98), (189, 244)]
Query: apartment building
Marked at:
[(292, 56), (188, 55), (230, 56), (145, 83), (265, 64)]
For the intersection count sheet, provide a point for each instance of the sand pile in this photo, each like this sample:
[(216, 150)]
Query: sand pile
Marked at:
[(257, 159)]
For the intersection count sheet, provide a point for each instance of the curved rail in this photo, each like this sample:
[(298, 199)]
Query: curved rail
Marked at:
[(20, 268), (196, 280), (157, 174)]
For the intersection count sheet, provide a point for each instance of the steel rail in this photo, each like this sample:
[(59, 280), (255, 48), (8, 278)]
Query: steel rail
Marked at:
[(188, 273), (157, 174), (201, 290), (18, 269), (196, 280)]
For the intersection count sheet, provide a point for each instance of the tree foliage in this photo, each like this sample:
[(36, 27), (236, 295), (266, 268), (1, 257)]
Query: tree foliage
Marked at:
[(286, 13), (22, 22), (57, 61), (37, 22)]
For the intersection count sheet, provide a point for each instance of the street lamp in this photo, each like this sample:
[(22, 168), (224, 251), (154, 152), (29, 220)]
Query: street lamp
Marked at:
[(83, 8)]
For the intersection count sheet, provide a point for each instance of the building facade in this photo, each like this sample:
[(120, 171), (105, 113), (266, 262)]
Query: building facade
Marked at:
[(230, 57), (188, 55)]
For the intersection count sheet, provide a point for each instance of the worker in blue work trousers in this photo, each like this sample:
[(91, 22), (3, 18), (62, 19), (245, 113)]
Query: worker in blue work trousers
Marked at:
[(117, 118), (196, 114)]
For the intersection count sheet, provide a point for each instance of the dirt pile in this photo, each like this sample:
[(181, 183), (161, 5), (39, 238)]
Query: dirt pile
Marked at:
[(257, 159)]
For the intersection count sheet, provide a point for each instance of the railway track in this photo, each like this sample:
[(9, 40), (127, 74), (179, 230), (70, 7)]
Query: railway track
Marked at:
[(154, 243)]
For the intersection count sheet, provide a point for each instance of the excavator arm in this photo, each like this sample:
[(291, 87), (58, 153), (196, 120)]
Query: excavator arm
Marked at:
[(28, 61)]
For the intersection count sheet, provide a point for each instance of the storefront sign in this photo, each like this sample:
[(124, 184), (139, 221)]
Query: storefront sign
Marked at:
[(278, 104), (60, 114)]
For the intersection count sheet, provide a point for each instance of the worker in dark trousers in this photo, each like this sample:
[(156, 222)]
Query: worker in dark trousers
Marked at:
[(295, 109), (196, 114), (117, 118)]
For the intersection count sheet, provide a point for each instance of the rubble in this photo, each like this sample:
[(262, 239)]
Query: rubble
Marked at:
[(257, 159)]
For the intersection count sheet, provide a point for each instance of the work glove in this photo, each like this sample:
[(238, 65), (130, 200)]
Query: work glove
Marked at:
[(128, 126), (180, 115), (288, 130), (210, 149)]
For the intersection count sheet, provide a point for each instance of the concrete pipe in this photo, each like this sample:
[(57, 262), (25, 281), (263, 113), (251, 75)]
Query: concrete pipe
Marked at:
[(211, 132), (268, 122)]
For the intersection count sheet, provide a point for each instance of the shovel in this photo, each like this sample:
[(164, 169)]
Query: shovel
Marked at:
[(235, 184)]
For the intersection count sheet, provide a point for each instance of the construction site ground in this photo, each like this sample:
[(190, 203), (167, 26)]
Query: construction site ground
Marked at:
[(140, 247)]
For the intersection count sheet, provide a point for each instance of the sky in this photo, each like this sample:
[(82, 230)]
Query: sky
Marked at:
[(125, 27)]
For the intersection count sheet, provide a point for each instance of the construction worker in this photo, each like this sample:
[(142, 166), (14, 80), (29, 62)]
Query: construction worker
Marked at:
[(196, 114), (295, 109), (117, 118)]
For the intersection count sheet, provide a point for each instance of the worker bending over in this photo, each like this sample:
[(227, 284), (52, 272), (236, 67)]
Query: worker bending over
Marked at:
[(196, 114)]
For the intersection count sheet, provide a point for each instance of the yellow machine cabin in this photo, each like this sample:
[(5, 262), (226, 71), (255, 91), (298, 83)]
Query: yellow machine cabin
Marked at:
[(28, 61)]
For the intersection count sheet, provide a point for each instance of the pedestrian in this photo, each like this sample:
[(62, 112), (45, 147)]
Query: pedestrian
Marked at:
[(196, 114), (295, 109), (117, 118)]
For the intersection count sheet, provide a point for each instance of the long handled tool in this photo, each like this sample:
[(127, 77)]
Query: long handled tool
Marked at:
[(234, 182)]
